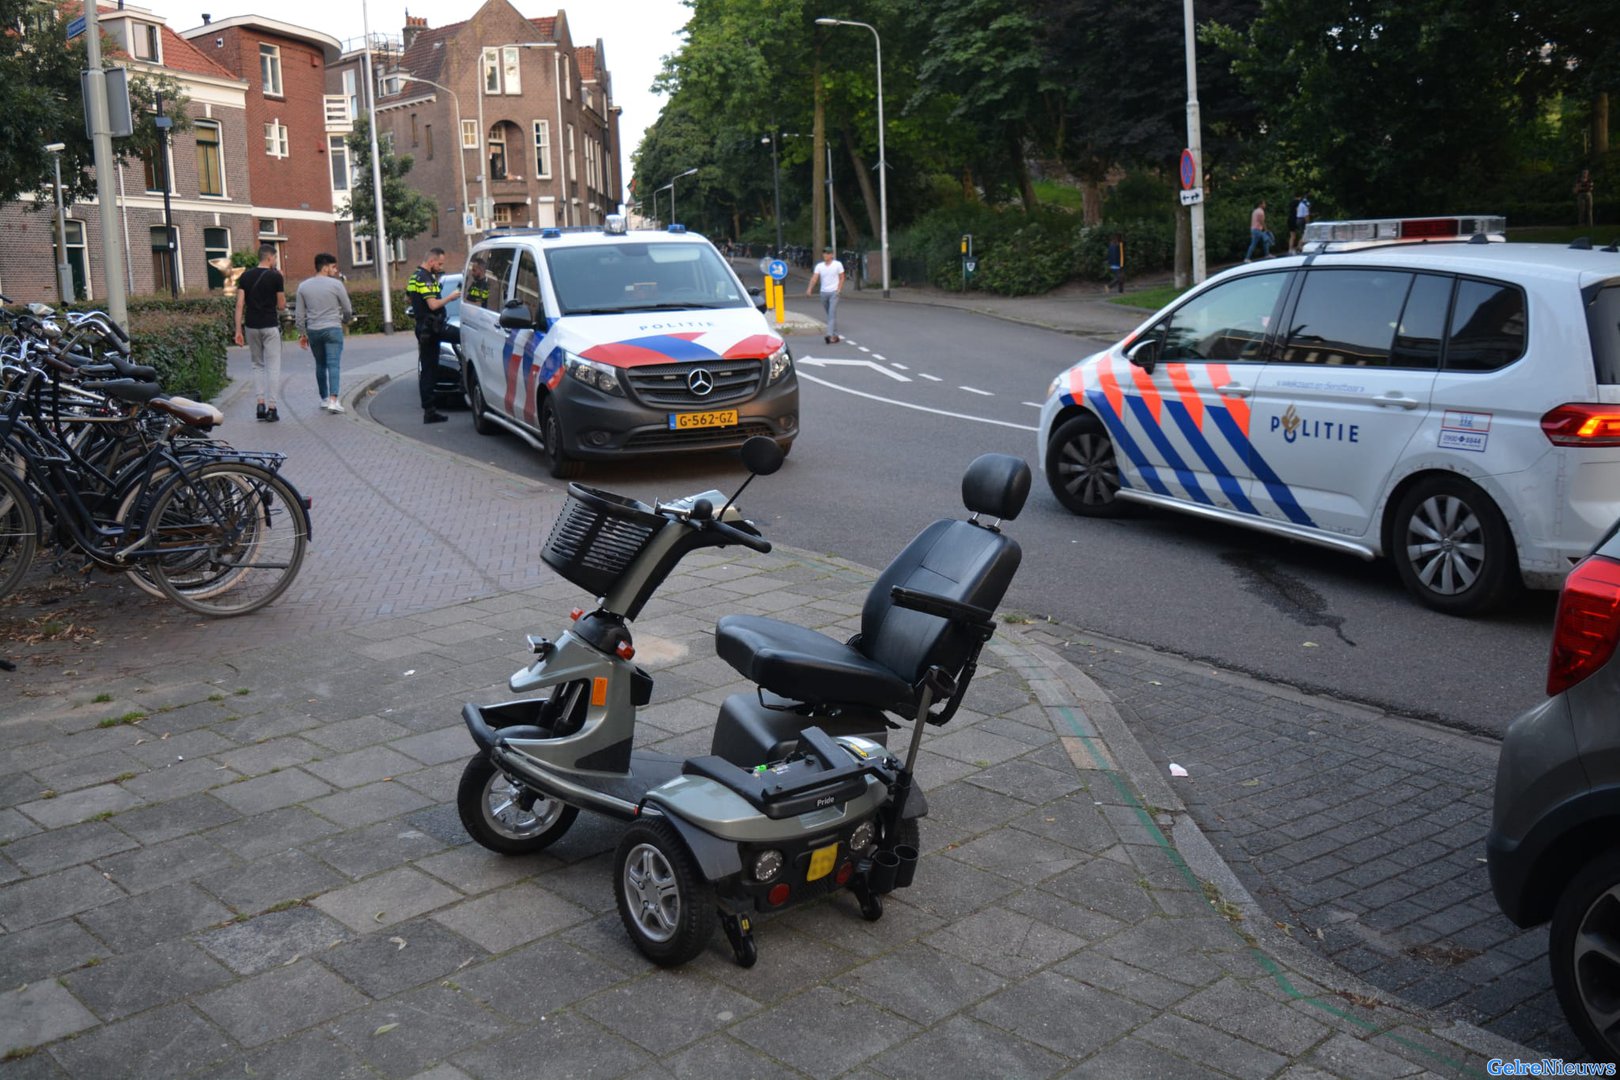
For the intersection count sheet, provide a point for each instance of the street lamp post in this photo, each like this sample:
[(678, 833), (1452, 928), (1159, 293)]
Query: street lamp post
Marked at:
[(379, 251), (461, 155), (677, 176), (64, 272), (776, 191), (1195, 144), (669, 187), (883, 165)]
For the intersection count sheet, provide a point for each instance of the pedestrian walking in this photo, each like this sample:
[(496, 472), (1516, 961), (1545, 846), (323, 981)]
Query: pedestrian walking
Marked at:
[(1116, 262), (830, 274), (1259, 237), (323, 309), (261, 297), (1583, 198), (1299, 215), (432, 327)]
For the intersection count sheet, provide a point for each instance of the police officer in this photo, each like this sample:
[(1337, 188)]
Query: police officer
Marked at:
[(432, 327), (477, 283)]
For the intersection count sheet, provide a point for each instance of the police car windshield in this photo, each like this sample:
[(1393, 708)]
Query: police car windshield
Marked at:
[(606, 279)]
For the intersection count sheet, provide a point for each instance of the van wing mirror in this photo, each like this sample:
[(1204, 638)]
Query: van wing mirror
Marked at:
[(515, 315), (758, 297)]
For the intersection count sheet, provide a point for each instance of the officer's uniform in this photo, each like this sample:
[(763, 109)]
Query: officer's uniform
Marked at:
[(432, 327), (478, 292)]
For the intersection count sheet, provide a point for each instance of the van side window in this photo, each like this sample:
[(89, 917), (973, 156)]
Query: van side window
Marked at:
[(1423, 323), (1346, 318), (1227, 322), (1487, 326), (526, 287), (1603, 323), (498, 265)]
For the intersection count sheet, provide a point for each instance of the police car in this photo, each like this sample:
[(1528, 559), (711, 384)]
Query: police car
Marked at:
[(1410, 388), (601, 343)]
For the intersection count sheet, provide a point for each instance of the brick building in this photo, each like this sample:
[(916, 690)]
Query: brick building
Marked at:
[(504, 117), (289, 153), (210, 191)]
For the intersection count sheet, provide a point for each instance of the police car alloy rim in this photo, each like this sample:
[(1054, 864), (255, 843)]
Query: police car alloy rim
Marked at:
[(1445, 543), (1085, 465)]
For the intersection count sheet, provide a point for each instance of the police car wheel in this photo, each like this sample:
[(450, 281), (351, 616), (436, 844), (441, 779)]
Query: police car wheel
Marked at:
[(480, 408), (1452, 547), (561, 466), (1081, 468), (1584, 971)]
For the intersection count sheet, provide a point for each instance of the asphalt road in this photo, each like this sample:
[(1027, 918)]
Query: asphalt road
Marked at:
[(882, 453)]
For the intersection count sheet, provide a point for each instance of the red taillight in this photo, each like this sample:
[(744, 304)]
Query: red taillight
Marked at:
[(1583, 424), (845, 872), (1588, 623), (625, 650), (1428, 228)]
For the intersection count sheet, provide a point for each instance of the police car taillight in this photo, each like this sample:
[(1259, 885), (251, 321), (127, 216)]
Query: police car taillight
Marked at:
[(1588, 623), (1395, 230), (1583, 424)]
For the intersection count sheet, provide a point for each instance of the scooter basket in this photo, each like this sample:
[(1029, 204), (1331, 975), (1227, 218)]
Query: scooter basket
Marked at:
[(597, 536)]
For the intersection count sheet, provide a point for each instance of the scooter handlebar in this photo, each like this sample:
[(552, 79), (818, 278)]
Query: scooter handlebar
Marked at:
[(740, 536)]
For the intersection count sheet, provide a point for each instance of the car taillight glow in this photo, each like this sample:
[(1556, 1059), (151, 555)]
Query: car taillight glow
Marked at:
[(1588, 623), (1583, 424)]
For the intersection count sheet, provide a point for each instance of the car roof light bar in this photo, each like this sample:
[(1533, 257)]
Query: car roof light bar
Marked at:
[(1366, 232)]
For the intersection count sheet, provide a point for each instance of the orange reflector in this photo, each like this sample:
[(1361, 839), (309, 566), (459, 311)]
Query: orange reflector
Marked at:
[(598, 691), (845, 872), (778, 895), (576, 614)]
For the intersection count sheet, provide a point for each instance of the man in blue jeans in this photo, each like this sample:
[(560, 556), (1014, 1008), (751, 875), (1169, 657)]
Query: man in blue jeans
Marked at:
[(323, 308), (1259, 235)]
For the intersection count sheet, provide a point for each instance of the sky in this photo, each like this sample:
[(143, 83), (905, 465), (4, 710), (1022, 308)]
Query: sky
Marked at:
[(636, 34)]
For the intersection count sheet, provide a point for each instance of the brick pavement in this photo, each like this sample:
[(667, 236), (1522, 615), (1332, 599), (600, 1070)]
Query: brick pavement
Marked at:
[(227, 848), (1362, 832)]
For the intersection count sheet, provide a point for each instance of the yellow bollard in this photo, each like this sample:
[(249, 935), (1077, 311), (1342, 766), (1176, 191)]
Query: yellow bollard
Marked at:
[(781, 305)]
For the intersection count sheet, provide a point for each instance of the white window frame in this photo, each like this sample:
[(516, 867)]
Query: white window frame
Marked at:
[(351, 92), (360, 250), (270, 69), (511, 72), (501, 214), (336, 146), (568, 77), (276, 144), (491, 67), (144, 33), (542, 149), (573, 171), (219, 156), (469, 134)]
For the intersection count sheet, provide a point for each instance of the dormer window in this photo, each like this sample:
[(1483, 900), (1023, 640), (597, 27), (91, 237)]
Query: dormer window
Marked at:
[(145, 42)]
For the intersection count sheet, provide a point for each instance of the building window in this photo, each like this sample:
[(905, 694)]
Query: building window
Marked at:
[(164, 260), (77, 257), (501, 75), (469, 134), (514, 81), (217, 254), (154, 168), (542, 149), (492, 71), (568, 78), (571, 170), (270, 69), (275, 139), (416, 133), (360, 249), (428, 136), (145, 42), (385, 142), (393, 84), (210, 173), (434, 225), (497, 153), (503, 214), (269, 228), (338, 148), (351, 92)]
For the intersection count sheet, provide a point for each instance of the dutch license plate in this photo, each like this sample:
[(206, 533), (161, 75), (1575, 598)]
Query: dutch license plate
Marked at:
[(821, 862), (691, 421)]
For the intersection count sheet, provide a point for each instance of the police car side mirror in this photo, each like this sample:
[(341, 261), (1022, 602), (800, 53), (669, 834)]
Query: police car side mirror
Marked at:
[(758, 296), (515, 315), (1144, 354)]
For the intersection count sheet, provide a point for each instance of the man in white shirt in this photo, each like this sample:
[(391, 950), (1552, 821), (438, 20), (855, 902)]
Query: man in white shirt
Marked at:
[(830, 273)]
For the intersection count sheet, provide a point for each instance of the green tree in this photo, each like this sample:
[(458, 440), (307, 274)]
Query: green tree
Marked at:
[(44, 104), (406, 211)]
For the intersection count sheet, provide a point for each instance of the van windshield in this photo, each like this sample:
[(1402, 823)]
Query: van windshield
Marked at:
[(606, 279)]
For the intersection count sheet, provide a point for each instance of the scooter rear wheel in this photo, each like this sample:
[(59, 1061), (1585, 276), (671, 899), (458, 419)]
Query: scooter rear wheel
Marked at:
[(491, 811), (665, 902)]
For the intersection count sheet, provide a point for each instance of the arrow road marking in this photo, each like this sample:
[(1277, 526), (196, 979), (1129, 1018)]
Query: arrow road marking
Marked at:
[(816, 361)]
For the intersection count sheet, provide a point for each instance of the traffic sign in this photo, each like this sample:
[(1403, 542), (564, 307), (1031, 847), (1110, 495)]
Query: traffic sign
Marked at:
[(1189, 173), (778, 269), (970, 265), (76, 27), (1193, 197)]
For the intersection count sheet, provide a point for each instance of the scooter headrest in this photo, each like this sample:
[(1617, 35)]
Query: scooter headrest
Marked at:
[(996, 485)]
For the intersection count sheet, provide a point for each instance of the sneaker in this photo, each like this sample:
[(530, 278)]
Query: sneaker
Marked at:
[(335, 406), (262, 413), (827, 338), (835, 339), (432, 417), (271, 414)]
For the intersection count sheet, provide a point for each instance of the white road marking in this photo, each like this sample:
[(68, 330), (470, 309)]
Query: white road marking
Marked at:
[(971, 390), (879, 356), (817, 361), (920, 408), (863, 348), (1031, 404)]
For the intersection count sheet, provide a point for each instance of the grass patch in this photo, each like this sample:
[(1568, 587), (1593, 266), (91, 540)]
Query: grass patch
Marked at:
[(121, 777), (1016, 618), (101, 699), (18, 1053), (103, 816), (134, 716), (216, 697), (1563, 234), (1152, 298), (242, 691), (1227, 910)]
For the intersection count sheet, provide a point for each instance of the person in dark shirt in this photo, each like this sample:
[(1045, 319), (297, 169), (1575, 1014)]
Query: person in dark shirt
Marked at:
[(261, 297), (1116, 263), (432, 327)]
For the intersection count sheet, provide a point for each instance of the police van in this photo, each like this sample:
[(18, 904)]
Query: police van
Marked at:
[(1411, 388), (601, 343)]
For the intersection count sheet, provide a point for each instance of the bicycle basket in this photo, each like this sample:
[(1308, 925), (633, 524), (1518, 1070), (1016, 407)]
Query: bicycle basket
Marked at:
[(597, 536)]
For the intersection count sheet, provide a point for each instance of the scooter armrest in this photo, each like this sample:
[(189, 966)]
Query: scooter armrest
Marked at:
[(965, 614)]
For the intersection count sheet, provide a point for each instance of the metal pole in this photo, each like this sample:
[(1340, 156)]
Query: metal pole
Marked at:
[(776, 194), (163, 125), (64, 272), (483, 158), (380, 248), (832, 215), (106, 165), (883, 167), (1195, 144)]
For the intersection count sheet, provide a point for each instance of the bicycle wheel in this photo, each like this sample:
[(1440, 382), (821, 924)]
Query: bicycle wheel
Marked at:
[(19, 532), (190, 569), (245, 524)]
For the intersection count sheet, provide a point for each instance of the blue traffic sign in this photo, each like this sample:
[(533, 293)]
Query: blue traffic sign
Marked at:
[(76, 27), (778, 269)]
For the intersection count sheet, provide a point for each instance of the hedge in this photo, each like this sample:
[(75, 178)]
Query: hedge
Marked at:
[(184, 337)]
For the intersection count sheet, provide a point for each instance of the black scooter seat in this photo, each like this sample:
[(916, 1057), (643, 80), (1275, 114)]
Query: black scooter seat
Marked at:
[(803, 665)]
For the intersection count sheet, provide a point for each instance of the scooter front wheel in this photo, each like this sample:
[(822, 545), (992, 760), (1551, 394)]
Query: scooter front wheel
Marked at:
[(666, 903), (492, 811)]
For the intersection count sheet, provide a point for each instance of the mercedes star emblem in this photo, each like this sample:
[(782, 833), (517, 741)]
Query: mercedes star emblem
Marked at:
[(700, 382)]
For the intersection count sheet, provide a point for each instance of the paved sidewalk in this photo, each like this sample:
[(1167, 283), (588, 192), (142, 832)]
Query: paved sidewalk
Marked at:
[(229, 848)]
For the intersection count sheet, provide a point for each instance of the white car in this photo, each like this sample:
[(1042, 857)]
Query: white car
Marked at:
[(1414, 388), (596, 344)]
